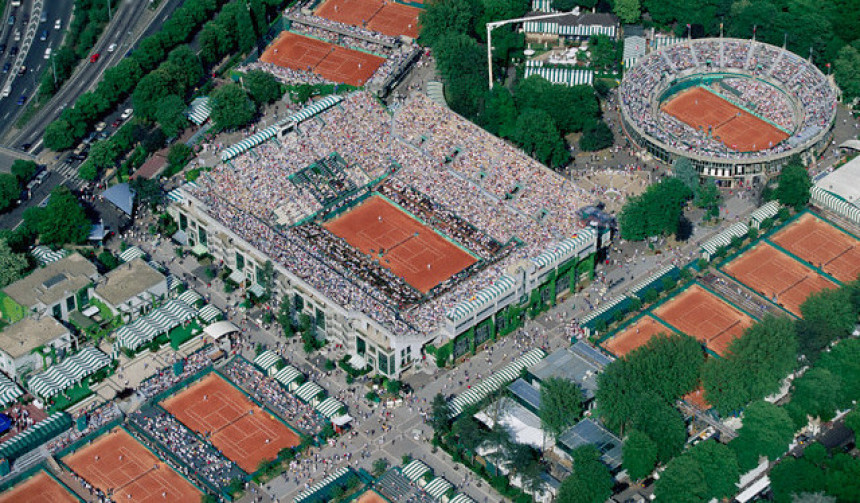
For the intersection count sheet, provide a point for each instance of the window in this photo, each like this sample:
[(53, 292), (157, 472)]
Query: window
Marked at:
[(202, 234), (360, 346), (383, 363), (58, 311), (183, 221), (240, 261), (70, 303), (320, 319)]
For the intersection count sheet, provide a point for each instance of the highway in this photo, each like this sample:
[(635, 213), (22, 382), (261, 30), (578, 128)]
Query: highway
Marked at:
[(131, 22)]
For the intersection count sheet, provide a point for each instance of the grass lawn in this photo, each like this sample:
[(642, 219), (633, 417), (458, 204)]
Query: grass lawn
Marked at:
[(70, 397), (181, 334)]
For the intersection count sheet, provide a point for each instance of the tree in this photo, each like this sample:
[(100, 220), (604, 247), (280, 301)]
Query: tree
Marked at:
[(88, 170), (231, 107), (61, 222), (708, 198), (468, 433), (24, 171), (170, 115), (150, 52), (597, 136), (12, 265), (605, 53), (442, 17), (682, 482), (262, 86), (59, 135), (794, 185), (847, 71), (440, 414), (852, 421), (793, 477), (655, 212), (213, 43), (443, 353), (560, 405), (120, 80), (147, 191), (536, 134), (590, 481), (815, 394), (150, 91), (683, 170), (639, 454), (186, 65), (461, 62), (500, 113), (720, 464), (827, 316), (103, 154), (766, 431), (662, 422), (627, 10), (379, 466), (9, 191)]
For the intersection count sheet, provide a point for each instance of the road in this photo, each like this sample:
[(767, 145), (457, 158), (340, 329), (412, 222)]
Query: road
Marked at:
[(131, 22), (33, 60)]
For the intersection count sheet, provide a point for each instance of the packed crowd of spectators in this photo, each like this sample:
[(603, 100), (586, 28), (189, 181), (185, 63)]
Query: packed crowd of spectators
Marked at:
[(800, 78), (97, 414), (295, 14), (481, 191), (267, 390), (286, 75), (164, 377), (198, 459)]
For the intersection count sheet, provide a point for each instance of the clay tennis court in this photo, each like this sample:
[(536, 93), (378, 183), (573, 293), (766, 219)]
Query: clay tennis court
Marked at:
[(335, 63), (117, 463), (407, 247), (243, 431), (737, 129), (371, 496), (822, 245), (386, 17), (777, 276), (635, 335), (704, 316), (40, 488)]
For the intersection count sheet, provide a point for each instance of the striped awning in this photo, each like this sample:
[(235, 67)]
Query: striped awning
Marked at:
[(561, 75), (172, 282), (68, 373), (180, 310), (496, 381), (199, 110), (568, 30), (640, 287), (322, 484), (172, 314), (317, 107), (604, 307), (737, 229), (176, 196), (502, 287), (766, 211), (190, 297), (45, 255), (462, 498), (266, 360), (208, 313), (9, 391), (288, 375), (566, 249), (40, 433), (308, 391), (131, 253), (329, 407), (438, 487), (542, 6), (414, 470)]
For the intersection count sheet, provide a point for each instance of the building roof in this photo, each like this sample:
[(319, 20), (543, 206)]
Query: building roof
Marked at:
[(586, 19), (589, 432), (19, 339), (128, 280), (122, 196), (578, 364), (844, 182), (54, 282)]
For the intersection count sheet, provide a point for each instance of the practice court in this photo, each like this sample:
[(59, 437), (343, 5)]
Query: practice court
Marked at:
[(333, 62), (737, 129), (407, 247), (386, 17), (243, 431), (822, 245), (40, 488), (634, 336), (777, 276), (704, 316), (118, 464)]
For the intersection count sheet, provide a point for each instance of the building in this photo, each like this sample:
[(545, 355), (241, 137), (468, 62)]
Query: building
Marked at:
[(56, 289), (573, 27), (131, 289), (590, 432), (26, 345), (839, 191), (580, 363)]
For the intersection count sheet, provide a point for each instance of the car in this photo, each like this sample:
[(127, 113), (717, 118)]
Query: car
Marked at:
[(44, 35), (6, 91), (26, 146), (44, 17), (13, 51), (11, 20), (22, 71), (25, 18), (17, 35), (58, 24), (126, 113), (95, 57), (116, 123), (100, 126), (2, 48), (111, 47), (22, 99), (6, 67), (104, 135), (48, 53)]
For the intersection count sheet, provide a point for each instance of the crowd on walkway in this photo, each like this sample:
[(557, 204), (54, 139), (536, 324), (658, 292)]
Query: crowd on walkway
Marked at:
[(808, 86), (97, 415)]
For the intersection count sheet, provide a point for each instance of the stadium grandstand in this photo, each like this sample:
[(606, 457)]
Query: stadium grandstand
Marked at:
[(737, 108), (392, 230)]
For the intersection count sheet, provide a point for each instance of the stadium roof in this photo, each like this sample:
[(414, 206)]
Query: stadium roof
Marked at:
[(844, 182)]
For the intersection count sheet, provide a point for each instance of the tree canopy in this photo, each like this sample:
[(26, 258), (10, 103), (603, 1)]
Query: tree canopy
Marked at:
[(12, 265), (560, 405), (826, 316), (9, 191), (793, 185), (655, 212), (62, 221), (231, 107), (639, 454), (590, 481), (262, 87), (766, 431)]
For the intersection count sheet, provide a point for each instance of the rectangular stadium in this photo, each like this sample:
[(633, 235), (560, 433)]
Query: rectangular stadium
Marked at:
[(395, 229)]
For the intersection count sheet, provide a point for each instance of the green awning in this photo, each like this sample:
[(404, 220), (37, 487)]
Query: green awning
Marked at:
[(200, 249)]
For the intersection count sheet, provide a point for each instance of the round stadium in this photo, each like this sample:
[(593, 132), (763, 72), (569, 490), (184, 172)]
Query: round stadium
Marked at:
[(736, 108)]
